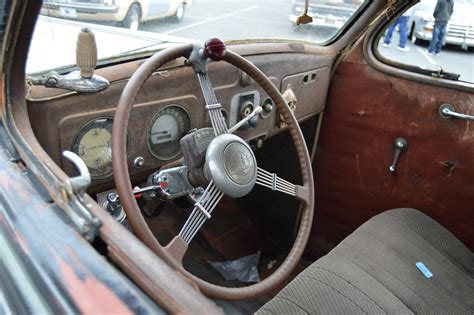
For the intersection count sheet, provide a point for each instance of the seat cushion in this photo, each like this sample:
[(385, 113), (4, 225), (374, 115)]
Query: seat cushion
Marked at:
[(374, 270)]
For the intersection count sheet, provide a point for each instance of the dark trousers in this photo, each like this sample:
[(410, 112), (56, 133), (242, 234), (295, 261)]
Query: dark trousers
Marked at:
[(437, 40)]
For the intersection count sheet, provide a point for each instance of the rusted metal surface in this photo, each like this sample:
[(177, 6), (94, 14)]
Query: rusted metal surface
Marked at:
[(67, 273), (52, 177), (57, 121), (120, 243), (17, 123), (366, 111)]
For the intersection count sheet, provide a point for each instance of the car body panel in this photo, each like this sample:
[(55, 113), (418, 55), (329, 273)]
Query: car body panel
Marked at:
[(51, 267)]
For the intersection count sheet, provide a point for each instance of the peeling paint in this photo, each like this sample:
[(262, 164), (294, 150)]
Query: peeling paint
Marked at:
[(90, 295)]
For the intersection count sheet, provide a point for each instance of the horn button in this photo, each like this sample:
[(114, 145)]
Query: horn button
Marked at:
[(231, 164)]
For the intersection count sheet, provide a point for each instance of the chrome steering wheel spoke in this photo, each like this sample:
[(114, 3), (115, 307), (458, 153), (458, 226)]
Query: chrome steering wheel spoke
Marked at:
[(214, 108), (201, 212), (275, 183)]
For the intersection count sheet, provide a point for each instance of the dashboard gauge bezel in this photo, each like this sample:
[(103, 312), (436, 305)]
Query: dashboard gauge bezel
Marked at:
[(83, 130), (150, 126)]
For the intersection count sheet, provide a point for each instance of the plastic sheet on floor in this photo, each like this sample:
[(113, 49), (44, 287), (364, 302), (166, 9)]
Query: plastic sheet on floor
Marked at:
[(244, 269)]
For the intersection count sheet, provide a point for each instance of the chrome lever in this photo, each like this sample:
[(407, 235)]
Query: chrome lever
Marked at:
[(114, 197), (448, 111), (255, 112), (79, 183), (400, 144)]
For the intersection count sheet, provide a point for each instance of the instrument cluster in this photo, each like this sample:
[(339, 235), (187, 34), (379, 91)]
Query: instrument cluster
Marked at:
[(93, 141)]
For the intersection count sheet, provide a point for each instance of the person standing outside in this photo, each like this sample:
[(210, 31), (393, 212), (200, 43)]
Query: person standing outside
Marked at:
[(402, 21), (442, 13)]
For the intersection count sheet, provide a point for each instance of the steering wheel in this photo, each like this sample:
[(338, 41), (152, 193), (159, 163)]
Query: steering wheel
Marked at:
[(229, 168)]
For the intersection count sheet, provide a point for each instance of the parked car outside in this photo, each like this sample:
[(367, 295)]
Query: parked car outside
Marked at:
[(127, 13), (460, 29), (331, 14)]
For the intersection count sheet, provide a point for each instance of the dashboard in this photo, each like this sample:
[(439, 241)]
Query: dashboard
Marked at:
[(169, 105)]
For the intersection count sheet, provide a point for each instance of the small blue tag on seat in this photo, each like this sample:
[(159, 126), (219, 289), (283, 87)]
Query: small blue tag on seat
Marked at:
[(424, 270)]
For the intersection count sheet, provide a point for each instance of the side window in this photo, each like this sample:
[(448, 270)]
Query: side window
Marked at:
[(435, 35)]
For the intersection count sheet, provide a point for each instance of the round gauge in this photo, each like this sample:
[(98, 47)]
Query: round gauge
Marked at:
[(165, 130), (93, 143)]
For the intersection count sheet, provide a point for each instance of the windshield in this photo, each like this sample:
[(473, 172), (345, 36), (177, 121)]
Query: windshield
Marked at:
[(121, 26)]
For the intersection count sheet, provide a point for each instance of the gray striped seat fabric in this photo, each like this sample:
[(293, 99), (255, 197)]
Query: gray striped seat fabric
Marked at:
[(374, 271)]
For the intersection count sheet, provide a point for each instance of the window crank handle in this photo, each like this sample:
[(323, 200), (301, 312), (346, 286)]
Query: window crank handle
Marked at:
[(399, 144)]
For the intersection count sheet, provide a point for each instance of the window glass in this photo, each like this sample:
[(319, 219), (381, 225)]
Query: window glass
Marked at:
[(433, 35), (121, 26)]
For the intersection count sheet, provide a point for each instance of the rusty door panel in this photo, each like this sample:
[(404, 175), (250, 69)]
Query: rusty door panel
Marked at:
[(366, 111), (65, 271)]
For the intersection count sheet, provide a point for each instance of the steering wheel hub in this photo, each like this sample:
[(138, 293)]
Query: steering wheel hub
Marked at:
[(231, 164)]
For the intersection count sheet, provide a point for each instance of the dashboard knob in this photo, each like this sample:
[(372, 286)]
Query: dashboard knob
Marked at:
[(214, 49), (253, 122), (139, 162)]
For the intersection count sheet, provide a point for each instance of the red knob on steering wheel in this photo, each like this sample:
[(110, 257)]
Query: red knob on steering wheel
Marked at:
[(214, 49)]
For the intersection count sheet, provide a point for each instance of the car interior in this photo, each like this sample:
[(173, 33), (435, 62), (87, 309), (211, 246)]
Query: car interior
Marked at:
[(325, 172)]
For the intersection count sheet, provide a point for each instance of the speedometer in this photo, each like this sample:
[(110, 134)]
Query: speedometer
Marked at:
[(93, 143), (165, 130)]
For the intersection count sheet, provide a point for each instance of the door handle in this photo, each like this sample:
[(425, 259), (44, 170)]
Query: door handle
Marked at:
[(448, 111)]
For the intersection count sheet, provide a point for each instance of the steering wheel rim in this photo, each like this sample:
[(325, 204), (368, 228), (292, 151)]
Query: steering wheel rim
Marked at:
[(136, 219)]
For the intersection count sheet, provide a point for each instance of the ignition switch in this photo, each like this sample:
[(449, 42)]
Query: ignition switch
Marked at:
[(246, 109)]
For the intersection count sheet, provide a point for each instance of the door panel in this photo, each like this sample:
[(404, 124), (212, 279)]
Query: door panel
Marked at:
[(366, 111)]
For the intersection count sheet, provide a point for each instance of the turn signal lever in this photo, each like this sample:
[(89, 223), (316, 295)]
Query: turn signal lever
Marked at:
[(168, 184), (254, 113), (83, 80)]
